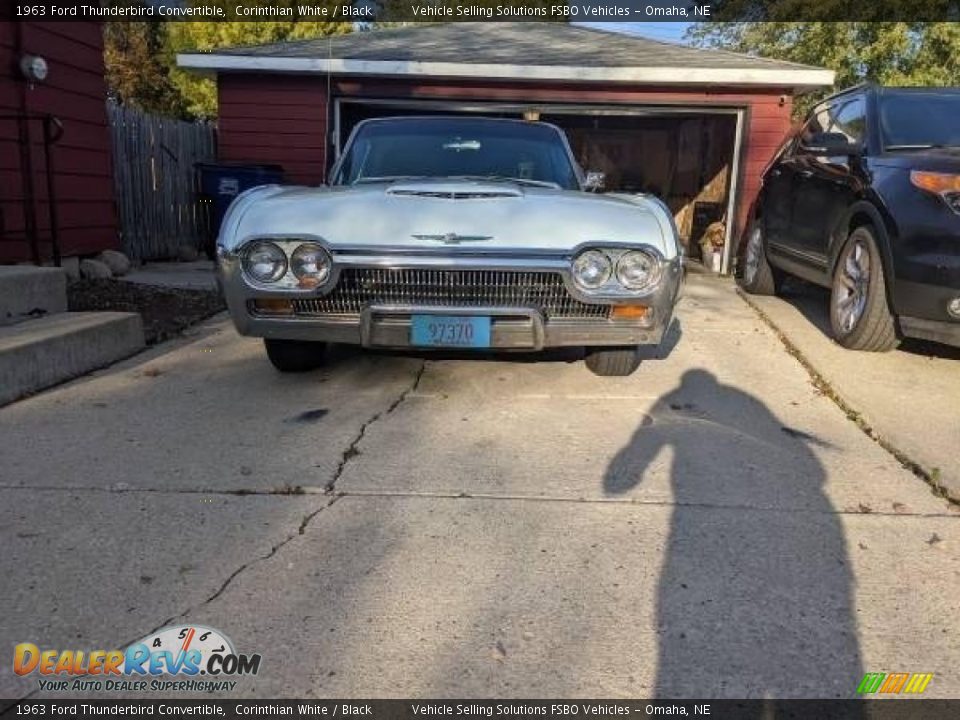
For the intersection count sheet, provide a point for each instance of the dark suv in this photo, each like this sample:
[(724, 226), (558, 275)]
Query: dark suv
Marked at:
[(865, 200)]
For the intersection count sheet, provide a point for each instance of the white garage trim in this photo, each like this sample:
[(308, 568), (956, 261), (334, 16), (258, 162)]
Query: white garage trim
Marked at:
[(774, 77)]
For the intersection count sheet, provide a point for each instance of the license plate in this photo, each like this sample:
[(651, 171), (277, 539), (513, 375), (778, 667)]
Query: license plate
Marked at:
[(464, 331)]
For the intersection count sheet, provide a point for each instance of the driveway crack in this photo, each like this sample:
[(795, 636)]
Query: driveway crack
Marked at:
[(353, 449), (246, 566)]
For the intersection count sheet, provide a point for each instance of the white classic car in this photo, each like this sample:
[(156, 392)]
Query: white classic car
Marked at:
[(451, 232)]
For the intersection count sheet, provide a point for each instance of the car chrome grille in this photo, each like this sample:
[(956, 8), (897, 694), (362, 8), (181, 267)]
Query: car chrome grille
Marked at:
[(360, 287)]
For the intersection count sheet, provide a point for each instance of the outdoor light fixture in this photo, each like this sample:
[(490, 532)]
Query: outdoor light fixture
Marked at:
[(953, 307), (34, 68)]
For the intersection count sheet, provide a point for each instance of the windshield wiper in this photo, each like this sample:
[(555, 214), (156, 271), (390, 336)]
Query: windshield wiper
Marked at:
[(506, 178), (441, 178), (390, 178), (922, 146)]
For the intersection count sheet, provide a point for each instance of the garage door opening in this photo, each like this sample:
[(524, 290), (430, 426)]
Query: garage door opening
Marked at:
[(689, 158)]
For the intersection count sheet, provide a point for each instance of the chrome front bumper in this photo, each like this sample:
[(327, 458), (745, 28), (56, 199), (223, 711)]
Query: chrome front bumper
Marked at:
[(388, 325)]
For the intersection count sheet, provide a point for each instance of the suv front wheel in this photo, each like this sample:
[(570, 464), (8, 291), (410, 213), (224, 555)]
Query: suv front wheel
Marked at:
[(756, 275), (859, 312)]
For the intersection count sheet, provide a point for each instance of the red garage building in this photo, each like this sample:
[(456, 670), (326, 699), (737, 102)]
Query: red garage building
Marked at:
[(51, 79), (696, 127)]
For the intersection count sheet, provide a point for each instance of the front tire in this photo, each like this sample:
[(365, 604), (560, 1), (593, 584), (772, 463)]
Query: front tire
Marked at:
[(756, 275), (294, 356), (613, 362), (859, 311)]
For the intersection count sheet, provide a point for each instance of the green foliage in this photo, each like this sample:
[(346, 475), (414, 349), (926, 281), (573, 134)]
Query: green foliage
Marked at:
[(141, 56), (200, 93), (888, 53), (136, 70)]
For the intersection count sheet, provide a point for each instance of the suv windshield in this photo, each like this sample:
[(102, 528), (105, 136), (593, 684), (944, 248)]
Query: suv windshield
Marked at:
[(457, 147), (911, 119)]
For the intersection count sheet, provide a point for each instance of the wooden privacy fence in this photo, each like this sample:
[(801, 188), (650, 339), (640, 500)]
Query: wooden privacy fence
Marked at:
[(156, 188)]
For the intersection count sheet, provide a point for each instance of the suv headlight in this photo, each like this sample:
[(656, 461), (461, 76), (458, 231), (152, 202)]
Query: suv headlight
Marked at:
[(947, 186), (637, 270), (311, 264), (264, 262), (592, 269)]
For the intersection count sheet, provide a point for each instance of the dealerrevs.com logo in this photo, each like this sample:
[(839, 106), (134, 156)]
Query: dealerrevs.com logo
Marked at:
[(894, 683), (185, 658)]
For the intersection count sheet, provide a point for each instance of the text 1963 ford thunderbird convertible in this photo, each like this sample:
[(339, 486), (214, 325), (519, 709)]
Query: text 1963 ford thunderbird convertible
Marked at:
[(450, 232)]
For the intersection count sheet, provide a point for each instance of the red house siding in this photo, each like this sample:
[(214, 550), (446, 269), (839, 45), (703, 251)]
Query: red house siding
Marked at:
[(283, 119), (275, 119), (74, 92)]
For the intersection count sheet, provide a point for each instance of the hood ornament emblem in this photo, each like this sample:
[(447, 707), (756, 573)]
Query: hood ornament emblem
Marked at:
[(454, 238)]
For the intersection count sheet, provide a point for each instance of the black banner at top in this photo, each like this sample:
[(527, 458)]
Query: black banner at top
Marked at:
[(373, 11)]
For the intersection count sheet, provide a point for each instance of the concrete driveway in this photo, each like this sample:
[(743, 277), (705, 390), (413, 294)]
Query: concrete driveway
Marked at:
[(420, 526), (909, 399)]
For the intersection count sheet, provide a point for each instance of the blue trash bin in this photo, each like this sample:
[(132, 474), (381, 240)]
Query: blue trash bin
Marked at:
[(219, 185)]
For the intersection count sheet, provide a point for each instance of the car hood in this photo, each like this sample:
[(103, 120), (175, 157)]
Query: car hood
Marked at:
[(444, 213), (946, 160)]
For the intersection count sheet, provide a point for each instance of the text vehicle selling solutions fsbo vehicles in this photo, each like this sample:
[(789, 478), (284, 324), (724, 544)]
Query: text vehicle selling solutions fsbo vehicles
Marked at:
[(444, 232)]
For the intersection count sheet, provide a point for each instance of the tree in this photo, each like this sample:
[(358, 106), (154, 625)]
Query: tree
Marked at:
[(136, 70), (200, 93), (141, 57), (888, 53)]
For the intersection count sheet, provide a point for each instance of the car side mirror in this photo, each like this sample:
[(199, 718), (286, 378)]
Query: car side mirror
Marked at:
[(829, 144), (595, 181)]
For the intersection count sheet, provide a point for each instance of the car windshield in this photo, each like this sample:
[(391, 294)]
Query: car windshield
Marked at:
[(457, 147), (919, 120)]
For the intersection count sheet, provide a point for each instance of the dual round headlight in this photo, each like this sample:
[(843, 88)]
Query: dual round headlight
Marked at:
[(266, 262), (311, 264), (592, 269), (635, 270)]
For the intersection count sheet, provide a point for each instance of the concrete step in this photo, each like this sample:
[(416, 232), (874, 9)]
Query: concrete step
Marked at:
[(39, 353), (28, 292)]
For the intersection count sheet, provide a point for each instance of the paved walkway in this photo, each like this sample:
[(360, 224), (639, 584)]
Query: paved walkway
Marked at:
[(196, 275)]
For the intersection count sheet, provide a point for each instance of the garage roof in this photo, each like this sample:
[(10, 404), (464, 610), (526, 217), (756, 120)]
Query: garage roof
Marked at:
[(511, 51)]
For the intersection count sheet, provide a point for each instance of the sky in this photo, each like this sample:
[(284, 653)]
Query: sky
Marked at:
[(669, 31)]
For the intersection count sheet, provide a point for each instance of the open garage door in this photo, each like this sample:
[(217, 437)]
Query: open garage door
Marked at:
[(688, 157)]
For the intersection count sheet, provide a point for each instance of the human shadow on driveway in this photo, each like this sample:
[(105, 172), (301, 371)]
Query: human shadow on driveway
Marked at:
[(755, 596)]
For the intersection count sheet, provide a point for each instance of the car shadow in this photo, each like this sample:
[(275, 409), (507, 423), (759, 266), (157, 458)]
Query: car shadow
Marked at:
[(813, 302), (756, 595)]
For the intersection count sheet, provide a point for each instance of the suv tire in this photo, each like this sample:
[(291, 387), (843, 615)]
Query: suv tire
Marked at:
[(860, 314), (756, 275)]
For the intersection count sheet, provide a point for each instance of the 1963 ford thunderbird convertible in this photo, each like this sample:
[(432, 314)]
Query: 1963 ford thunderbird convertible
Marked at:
[(451, 232)]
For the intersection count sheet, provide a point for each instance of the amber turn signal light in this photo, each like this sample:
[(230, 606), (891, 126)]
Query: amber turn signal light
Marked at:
[(935, 182), (308, 282), (629, 312), (273, 306)]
